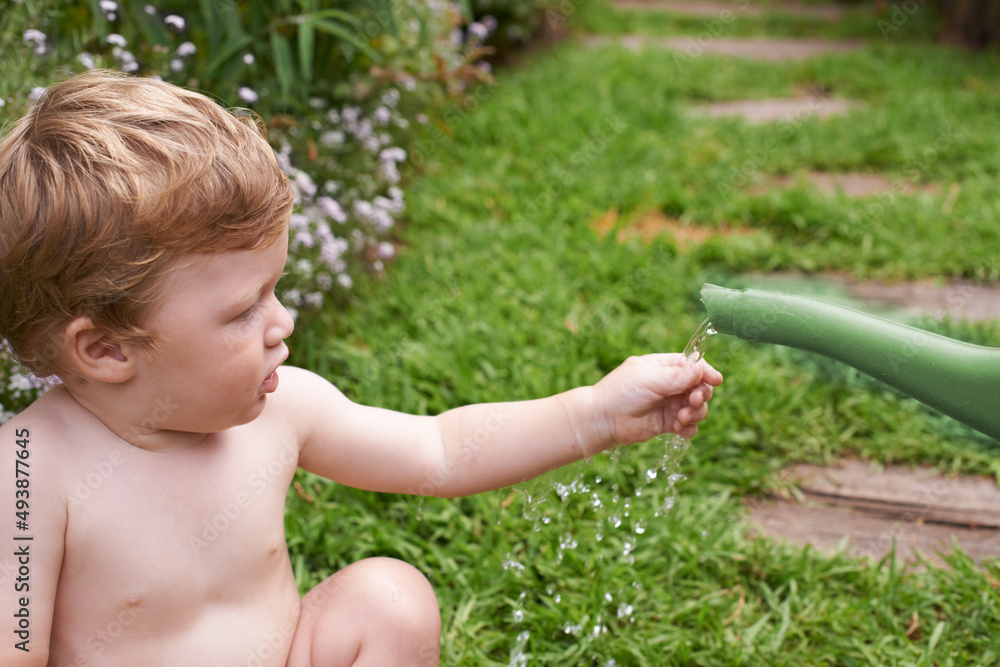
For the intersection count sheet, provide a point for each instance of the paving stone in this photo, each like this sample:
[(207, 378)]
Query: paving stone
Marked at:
[(777, 109), (959, 300), (710, 8), (752, 48), (871, 509)]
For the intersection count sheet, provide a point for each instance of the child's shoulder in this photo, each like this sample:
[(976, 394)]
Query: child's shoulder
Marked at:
[(47, 428), (33, 458), (46, 416), (305, 395), (297, 384)]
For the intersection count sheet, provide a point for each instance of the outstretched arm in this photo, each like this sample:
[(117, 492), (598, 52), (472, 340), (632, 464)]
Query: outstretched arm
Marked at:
[(486, 446), (495, 445)]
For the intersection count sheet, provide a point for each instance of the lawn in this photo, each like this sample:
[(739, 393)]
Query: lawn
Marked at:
[(503, 289)]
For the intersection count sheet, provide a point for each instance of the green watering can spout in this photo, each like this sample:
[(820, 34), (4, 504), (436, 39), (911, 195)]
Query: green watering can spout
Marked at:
[(959, 379)]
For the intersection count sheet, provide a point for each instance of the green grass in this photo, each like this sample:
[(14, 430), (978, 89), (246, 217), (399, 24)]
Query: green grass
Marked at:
[(503, 291)]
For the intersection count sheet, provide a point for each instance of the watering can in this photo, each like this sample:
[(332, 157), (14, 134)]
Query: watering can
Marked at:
[(959, 379)]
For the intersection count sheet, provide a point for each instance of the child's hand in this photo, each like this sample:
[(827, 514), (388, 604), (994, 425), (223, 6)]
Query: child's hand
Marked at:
[(654, 394)]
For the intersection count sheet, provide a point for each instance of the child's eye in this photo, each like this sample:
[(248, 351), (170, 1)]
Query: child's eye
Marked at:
[(248, 313)]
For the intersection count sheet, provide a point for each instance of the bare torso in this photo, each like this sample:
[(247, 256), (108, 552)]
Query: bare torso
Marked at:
[(171, 558)]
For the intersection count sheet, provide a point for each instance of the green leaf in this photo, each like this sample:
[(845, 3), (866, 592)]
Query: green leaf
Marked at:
[(341, 32), (226, 54), (346, 17), (283, 64), (307, 47)]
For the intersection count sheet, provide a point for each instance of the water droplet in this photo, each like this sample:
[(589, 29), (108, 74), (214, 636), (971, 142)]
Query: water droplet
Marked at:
[(625, 609), (518, 615), (651, 474), (607, 596), (640, 526)]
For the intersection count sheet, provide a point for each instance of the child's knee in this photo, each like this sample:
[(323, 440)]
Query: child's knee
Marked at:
[(403, 592)]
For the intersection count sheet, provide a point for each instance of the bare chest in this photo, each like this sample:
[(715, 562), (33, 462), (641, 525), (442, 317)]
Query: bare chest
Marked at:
[(171, 542)]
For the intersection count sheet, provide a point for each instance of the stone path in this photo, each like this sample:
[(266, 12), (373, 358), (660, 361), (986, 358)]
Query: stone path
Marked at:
[(770, 110), (777, 50), (875, 511), (710, 8), (869, 510)]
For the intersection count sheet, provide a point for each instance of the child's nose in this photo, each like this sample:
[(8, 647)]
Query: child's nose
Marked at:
[(281, 325)]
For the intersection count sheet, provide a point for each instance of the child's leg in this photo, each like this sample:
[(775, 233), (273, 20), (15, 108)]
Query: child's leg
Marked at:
[(378, 611)]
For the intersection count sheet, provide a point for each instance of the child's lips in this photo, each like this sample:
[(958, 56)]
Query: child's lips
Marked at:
[(270, 383)]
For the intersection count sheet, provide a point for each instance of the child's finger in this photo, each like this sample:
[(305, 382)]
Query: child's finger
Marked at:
[(692, 415), (709, 374)]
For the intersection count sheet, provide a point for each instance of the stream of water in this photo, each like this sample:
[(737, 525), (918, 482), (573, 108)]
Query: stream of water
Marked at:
[(624, 507)]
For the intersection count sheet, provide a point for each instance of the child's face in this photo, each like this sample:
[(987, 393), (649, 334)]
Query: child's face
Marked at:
[(221, 332)]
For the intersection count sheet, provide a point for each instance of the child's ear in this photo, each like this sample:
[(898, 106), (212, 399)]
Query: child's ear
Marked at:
[(95, 354)]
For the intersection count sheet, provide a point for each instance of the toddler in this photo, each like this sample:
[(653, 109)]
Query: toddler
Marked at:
[(143, 229)]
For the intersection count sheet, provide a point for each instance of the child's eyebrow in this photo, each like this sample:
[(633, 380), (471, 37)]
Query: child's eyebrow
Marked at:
[(241, 297)]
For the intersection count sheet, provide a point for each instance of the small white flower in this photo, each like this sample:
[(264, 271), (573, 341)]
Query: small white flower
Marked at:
[(382, 116), (386, 250), (248, 59), (394, 154), (247, 95), (390, 98), (176, 22), (332, 208), (36, 92), (479, 30), (186, 49), (176, 65), (302, 181), (116, 39), (150, 9), (2, 102), (332, 138), (345, 280), (36, 36), (108, 6)]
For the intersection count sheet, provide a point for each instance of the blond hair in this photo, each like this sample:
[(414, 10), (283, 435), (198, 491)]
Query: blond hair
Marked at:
[(104, 182)]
